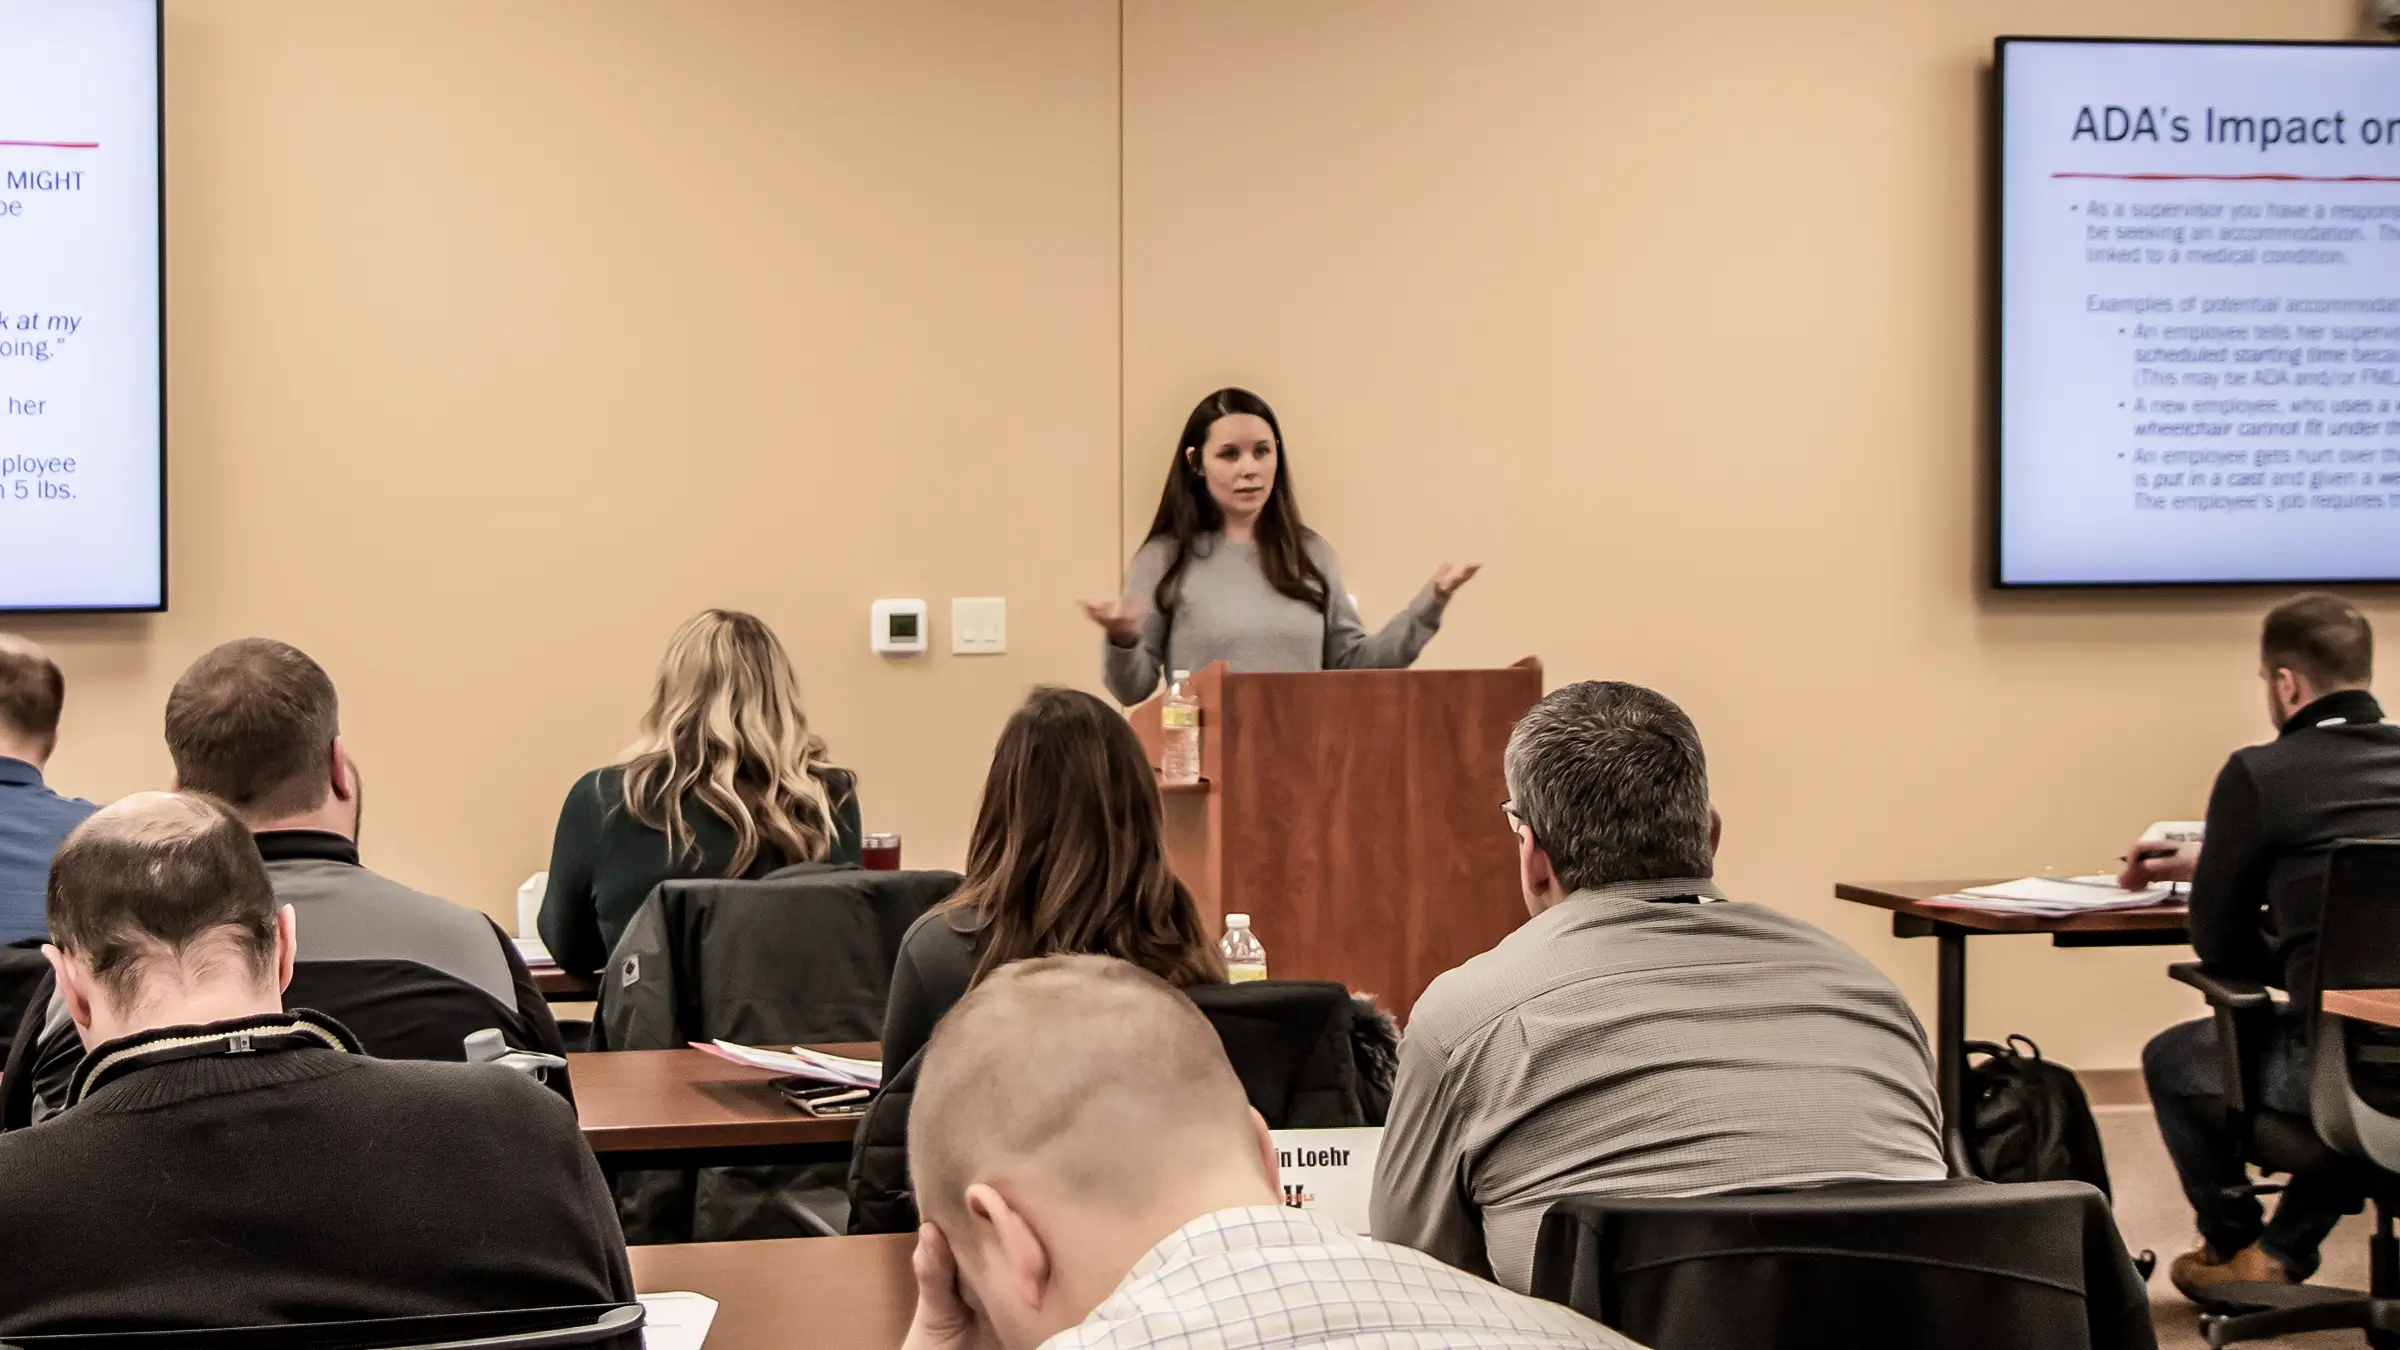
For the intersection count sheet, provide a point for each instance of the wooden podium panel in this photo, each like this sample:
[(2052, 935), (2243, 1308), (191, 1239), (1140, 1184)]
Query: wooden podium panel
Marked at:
[(1355, 816)]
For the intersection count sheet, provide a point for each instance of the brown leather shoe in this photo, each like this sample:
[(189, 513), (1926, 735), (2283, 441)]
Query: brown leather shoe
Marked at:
[(2196, 1272)]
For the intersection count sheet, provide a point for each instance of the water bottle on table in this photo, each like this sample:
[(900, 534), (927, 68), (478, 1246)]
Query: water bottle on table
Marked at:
[(1245, 955), (1179, 717)]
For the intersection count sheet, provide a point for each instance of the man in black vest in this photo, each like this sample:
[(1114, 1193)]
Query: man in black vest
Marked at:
[(222, 1162), (2258, 880)]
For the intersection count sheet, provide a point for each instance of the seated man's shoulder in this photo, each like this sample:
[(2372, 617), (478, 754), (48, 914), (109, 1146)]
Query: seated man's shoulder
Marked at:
[(1469, 999), (434, 1087), (1797, 937)]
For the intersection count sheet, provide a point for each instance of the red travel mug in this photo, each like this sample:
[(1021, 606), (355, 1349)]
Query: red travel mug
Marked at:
[(879, 853)]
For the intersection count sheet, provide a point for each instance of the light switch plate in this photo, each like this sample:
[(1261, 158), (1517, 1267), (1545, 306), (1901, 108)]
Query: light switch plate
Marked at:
[(978, 625)]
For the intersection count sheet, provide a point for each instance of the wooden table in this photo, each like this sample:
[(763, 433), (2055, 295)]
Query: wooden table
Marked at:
[(1950, 926), (558, 986), (846, 1291), (2380, 1006), (687, 1108)]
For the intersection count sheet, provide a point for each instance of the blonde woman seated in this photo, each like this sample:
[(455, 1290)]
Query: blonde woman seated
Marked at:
[(726, 780)]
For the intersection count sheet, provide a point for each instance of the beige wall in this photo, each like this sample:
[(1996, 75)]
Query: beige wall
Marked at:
[(505, 335), (1670, 314), (507, 332)]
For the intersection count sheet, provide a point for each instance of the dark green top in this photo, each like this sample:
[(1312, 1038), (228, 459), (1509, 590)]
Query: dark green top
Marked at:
[(604, 863)]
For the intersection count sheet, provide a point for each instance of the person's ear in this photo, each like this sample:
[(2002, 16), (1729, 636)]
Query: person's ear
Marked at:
[(1716, 831), (1191, 458), (1023, 1258), (72, 988), (287, 946), (345, 777), (1534, 873), (1266, 1151)]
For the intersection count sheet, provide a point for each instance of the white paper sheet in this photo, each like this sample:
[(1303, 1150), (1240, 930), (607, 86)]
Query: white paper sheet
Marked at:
[(678, 1321), (802, 1062)]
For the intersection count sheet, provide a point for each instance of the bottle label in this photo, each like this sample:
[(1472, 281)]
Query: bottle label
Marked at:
[(1243, 973), (1174, 718)]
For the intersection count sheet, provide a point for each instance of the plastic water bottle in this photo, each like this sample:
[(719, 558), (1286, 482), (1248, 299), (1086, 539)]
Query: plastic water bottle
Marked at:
[(1245, 956), (1179, 766)]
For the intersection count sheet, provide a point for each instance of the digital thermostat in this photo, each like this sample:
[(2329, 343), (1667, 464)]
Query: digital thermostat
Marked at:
[(898, 627)]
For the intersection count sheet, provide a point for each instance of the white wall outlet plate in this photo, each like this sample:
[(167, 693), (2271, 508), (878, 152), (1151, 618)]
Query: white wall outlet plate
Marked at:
[(897, 627), (978, 625)]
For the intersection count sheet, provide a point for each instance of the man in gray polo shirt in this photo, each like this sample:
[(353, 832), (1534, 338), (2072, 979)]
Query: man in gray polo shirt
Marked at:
[(1642, 1034)]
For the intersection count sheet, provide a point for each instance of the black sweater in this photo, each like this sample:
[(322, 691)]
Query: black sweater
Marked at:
[(2258, 894), (603, 862), (300, 1183)]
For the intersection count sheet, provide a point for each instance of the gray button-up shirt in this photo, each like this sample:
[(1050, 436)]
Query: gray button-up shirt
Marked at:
[(1617, 1046)]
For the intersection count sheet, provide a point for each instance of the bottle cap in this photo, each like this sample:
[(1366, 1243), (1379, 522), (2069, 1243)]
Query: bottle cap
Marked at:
[(1182, 675), (1237, 921)]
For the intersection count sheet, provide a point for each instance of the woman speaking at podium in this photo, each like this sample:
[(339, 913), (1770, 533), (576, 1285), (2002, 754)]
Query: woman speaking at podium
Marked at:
[(1230, 573)]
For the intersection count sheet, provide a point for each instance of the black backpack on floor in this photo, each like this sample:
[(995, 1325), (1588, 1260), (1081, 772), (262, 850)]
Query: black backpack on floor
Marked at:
[(2027, 1118)]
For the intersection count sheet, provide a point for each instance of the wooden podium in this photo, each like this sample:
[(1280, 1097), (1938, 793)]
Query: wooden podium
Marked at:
[(1354, 815)]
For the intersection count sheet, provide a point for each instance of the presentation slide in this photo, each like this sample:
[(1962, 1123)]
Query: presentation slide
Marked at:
[(2199, 312), (82, 435)]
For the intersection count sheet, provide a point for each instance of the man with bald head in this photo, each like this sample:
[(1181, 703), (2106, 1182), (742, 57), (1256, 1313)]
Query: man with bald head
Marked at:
[(225, 1163), (1093, 1177), (33, 819)]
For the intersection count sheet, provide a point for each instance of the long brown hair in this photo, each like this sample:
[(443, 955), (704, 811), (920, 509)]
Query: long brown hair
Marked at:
[(1066, 857), (1186, 510), (725, 726)]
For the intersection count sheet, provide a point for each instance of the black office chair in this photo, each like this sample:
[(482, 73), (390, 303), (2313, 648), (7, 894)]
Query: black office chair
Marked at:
[(23, 972), (801, 956), (406, 1010), (2353, 1122), (617, 1325), (1963, 1265), (397, 1009), (1289, 1042)]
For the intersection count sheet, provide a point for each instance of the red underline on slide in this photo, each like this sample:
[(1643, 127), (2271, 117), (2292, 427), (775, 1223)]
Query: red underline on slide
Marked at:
[(50, 145), (2235, 177)]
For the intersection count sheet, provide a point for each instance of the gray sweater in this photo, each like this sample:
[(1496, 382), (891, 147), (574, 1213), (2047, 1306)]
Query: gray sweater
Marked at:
[(1225, 610)]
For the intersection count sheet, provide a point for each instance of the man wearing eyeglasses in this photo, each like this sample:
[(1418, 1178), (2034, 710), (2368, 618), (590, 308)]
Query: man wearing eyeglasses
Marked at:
[(1641, 1035)]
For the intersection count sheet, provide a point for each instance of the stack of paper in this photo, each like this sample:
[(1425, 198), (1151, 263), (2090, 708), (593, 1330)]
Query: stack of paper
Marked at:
[(678, 1321), (533, 952), (802, 1062), (2056, 895)]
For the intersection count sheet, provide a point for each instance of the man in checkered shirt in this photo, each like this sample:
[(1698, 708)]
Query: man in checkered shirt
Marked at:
[(1094, 1179)]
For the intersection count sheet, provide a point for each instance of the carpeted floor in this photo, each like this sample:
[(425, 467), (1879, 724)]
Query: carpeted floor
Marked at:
[(2152, 1213)]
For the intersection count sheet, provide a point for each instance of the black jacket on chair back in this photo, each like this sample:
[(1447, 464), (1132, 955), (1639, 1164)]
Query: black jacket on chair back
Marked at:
[(803, 955), (1295, 1044), (1290, 1043)]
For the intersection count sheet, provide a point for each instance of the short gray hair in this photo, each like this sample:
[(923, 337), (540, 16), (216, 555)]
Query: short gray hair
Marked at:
[(1611, 780)]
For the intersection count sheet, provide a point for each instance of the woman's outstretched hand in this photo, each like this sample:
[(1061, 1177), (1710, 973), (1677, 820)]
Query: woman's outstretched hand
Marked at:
[(1447, 578), (1120, 618)]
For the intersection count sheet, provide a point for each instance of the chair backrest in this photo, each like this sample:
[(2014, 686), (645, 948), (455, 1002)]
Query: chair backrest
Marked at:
[(397, 1009), (1289, 1041), (1964, 1265), (405, 1010), (799, 955), (23, 970), (604, 1324), (2354, 1067)]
